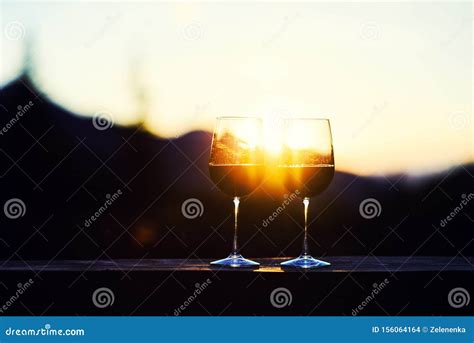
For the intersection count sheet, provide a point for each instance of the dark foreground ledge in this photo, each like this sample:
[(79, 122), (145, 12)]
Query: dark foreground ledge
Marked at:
[(341, 264), (352, 285)]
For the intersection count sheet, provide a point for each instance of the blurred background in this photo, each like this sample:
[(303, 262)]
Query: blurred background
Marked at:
[(107, 111)]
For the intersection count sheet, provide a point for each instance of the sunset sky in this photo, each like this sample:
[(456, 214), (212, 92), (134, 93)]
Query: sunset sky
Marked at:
[(395, 79)]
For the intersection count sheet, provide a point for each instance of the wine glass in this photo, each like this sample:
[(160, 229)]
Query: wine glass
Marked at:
[(307, 168), (236, 166)]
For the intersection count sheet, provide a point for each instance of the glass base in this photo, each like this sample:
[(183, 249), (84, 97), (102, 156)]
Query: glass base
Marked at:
[(305, 261), (235, 261)]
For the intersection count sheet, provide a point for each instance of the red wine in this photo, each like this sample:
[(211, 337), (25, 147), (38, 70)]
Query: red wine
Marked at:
[(237, 180), (308, 180)]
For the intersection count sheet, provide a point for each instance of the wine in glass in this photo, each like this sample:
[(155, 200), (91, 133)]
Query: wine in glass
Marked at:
[(307, 166), (236, 166)]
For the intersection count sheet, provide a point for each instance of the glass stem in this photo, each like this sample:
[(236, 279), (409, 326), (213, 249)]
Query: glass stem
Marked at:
[(235, 249), (305, 238)]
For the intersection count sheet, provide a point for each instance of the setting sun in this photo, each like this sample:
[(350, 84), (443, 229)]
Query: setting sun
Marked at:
[(398, 93)]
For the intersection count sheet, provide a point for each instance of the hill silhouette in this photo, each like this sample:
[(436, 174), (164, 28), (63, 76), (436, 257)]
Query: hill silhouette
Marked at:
[(65, 170)]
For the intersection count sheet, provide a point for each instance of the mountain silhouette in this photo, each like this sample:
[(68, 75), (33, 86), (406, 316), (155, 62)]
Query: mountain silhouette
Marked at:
[(65, 171)]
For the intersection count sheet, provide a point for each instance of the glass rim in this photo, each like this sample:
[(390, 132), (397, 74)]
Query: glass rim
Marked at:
[(306, 118), (237, 118)]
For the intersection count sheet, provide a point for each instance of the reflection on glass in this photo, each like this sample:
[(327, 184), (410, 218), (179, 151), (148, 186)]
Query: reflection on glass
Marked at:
[(236, 166), (307, 166)]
